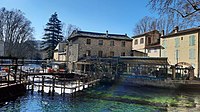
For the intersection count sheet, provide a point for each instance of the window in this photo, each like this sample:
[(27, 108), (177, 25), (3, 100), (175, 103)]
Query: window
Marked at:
[(112, 53), (141, 40), (123, 44), (100, 42), (123, 54), (112, 43), (136, 41), (177, 42), (177, 55), (88, 41), (192, 53), (192, 40), (100, 53), (88, 53), (181, 38)]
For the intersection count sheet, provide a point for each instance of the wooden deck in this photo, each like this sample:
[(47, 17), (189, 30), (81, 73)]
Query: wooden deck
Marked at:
[(48, 82)]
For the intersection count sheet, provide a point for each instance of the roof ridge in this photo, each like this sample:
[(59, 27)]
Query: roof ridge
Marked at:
[(182, 31), (80, 31)]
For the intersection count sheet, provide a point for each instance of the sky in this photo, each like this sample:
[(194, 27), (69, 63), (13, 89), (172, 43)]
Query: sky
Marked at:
[(116, 16)]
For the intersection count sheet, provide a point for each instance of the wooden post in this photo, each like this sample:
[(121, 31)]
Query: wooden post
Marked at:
[(20, 74), (8, 75), (78, 84), (173, 72), (38, 85), (15, 68), (191, 73), (53, 88), (84, 83), (33, 84), (49, 90), (42, 85), (64, 87), (61, 88)]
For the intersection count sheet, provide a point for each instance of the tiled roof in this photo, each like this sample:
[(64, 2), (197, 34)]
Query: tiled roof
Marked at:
[(145, 33), (187, 31), (98, 35)]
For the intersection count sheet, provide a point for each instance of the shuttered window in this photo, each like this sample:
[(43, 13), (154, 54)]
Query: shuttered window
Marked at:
[(192, 53), (192, 40), (177, 42)]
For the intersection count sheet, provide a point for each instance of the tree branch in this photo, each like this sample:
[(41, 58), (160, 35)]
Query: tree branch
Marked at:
[(184, 15), (193, 6)]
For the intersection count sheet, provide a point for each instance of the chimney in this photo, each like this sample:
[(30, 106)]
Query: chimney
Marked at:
[(125, 34), (106, 33), (176, 29), (162, 32)]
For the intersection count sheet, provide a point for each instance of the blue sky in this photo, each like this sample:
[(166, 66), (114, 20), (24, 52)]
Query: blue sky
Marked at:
[(116, 16)]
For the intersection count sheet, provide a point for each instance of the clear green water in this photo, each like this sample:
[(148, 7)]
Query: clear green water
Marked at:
[(177, 101)]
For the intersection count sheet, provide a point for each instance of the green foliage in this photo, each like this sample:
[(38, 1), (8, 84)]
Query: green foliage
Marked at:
[(53, 35)]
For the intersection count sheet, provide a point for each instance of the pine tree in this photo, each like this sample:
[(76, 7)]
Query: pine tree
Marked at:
[(53, 35)]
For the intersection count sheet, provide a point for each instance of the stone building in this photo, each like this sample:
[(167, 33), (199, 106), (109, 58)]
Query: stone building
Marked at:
[(84, 45), (147, 43), (182, 47)]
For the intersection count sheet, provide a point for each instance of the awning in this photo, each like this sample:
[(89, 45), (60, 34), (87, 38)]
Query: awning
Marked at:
[(144, 60)]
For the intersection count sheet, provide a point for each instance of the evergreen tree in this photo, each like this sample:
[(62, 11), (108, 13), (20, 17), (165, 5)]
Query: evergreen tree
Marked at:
[(53, 35)]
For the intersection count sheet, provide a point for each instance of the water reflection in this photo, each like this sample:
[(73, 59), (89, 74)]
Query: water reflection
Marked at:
[(177, 101)]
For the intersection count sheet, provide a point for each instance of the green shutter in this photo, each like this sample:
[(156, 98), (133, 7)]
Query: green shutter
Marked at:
[(191, 53), (192, 40), (177, 42)]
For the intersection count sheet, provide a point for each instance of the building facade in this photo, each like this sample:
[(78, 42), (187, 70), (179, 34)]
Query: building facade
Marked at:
[(182, 47), (60, 51), (99, 45), (147, 43)]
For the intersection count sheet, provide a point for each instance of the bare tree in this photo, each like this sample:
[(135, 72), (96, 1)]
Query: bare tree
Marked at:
[(71, 28), (15, 30), (144, 25), (166, 23), (184, 8)]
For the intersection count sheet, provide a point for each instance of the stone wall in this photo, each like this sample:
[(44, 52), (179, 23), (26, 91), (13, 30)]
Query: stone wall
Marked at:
[(94, 47)]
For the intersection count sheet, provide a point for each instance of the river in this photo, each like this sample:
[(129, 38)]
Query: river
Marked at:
[(108, 98)]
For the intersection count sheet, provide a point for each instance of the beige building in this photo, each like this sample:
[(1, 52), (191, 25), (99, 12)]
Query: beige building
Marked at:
[(99, 45), (60, 51), (147, 43), (182, 47)]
